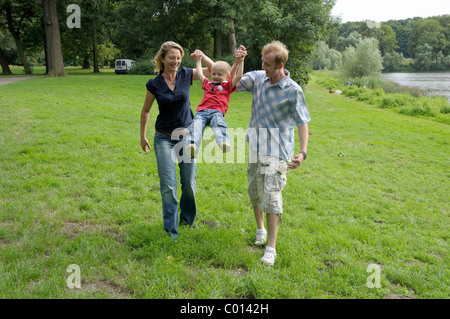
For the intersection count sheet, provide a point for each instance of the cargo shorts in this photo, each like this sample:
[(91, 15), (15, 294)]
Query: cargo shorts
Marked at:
[(266, 180)]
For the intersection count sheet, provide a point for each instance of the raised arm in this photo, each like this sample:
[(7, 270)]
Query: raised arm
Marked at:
[(208, 62), (237, 69), (199, 70)]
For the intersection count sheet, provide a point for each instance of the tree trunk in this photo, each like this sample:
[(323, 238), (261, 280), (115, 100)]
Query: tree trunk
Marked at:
[(96, 68), (217, 43), (44, 40), (55, 62), (86, 63), (231, 37), (4, 63), (16, 35)]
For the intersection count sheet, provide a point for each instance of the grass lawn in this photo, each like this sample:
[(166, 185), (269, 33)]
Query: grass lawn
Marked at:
[(76, 188)]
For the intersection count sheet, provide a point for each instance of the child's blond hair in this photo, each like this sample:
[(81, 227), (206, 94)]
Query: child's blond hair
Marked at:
[(224, 65)]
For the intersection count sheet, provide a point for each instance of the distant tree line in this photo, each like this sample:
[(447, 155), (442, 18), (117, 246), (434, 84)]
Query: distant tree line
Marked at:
[(414, 44), (112, 29)]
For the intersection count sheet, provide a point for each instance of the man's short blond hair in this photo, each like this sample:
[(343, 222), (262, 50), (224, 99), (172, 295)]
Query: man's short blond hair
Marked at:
[(280, 51)]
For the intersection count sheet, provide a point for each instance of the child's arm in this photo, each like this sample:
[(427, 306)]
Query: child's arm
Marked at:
[(238, 67), (209, 63), (199, 69)]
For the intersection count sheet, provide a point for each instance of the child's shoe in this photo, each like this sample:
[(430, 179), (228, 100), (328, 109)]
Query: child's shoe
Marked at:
[(225, 147), (191, 150), (269, 256)]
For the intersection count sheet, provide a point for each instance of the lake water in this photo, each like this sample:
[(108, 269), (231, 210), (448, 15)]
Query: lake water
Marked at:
[(437, 83)]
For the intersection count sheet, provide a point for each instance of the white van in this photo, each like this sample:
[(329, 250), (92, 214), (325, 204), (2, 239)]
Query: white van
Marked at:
[(124, 65)]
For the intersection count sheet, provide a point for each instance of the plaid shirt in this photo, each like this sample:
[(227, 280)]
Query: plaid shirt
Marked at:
[(276, 109)]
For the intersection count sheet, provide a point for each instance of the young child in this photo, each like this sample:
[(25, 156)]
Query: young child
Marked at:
[(214, 105)]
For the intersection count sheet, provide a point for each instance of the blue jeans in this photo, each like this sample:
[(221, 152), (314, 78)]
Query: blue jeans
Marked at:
[(167, 171), (204, 118)]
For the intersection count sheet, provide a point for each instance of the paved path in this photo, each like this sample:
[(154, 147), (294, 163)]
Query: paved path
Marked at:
[(8, 80)]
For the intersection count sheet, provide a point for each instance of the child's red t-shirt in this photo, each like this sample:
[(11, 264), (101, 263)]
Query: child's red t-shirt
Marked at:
[(216, 96)]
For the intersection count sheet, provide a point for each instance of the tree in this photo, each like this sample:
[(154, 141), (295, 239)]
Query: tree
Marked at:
[(4, 63), (297, 23), (319, 57), (428, 31), (383, 33), (364, 60), (350, 41), (325, 58), (388, 39), (423, 57), (427, 60), (54, 59), (18, 13), (4, 44), (392, 62), (402, 29)]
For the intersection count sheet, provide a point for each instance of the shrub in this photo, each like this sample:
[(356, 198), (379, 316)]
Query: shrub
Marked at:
[(442, 104), (353, 91), (423, 106), (396, 100), (416, 108), (363, 60), (143, 67), (445, 109)]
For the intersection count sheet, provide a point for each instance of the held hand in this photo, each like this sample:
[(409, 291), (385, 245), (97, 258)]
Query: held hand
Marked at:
[(296, 161), (197, 54), (241, 53), (145, 145)]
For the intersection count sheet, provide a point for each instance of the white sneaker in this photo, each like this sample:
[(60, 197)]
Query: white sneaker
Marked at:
[(225, 147), (261, 237), (269, 256), (191, 150)]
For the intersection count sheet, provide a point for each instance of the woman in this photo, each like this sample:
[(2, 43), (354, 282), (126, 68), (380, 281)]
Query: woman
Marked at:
[(171, 88)]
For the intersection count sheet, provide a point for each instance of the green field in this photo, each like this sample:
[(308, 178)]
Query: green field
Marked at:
[(76, 188)]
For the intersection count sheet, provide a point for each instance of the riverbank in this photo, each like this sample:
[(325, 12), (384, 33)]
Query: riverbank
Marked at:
[(434, 83), (387, 95)]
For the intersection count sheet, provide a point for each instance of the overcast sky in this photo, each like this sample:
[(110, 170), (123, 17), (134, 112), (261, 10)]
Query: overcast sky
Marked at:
[(384, 10)]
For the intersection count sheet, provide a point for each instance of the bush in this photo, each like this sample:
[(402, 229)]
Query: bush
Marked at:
[(430, 106), (396, 100), (353, 91), (143, 67), (363, 60), (445, 109)]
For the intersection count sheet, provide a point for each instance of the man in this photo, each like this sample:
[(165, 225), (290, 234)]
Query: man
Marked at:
[(278, 106)]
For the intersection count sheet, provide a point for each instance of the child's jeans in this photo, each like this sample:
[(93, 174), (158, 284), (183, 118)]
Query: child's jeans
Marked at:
[(204, 118)]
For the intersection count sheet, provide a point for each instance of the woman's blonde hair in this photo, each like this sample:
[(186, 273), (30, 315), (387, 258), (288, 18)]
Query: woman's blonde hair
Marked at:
[(165, 47), (279, 49)]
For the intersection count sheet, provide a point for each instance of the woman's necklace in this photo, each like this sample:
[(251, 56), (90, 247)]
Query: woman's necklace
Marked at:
[(171, 82)]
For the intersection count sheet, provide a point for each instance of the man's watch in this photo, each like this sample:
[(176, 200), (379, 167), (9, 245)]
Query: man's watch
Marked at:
[(304, 154)]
